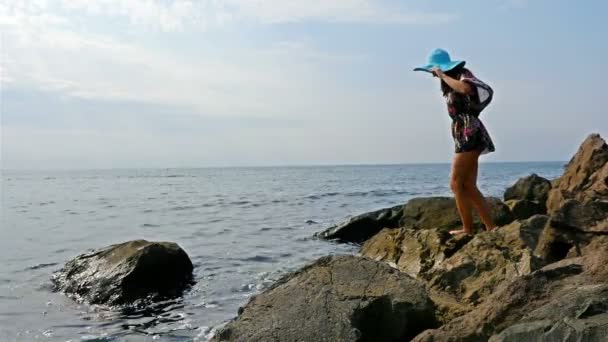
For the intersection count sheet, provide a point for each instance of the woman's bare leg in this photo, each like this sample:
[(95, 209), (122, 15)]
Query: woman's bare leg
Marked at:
[(462, 168), (477, 198)]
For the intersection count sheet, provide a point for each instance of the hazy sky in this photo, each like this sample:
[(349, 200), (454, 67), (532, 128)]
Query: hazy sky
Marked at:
[(161, 83)]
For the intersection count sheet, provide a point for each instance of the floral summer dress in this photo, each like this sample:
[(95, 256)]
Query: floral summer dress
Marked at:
[(468, 131)]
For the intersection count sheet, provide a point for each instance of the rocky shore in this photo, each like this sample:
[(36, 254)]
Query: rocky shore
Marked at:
[(541, 276)]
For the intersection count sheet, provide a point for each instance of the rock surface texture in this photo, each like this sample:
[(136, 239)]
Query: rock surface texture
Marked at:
[(585, 177), (338, 298), (127, 272)]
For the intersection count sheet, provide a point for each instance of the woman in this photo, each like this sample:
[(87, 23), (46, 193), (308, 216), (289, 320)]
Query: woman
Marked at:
[(466, 97)]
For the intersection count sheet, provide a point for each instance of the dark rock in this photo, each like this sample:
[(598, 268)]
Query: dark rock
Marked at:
[(591, 216), (530, 188), (127, 272), (418, 213), (362, 227), (337, 298), (441, 213), (523, 209), (585, 177)]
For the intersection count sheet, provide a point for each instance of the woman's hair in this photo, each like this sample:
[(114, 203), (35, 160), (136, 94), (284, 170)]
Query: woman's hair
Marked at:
[(454, 73)]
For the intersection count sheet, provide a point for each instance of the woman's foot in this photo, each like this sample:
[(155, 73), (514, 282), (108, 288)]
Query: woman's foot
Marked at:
[(491, 229), (460, 232)]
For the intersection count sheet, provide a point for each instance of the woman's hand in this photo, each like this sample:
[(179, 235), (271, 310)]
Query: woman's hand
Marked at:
[(457, 85), (437, 72)]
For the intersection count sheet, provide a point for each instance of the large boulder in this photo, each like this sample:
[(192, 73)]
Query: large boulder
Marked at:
[(530, 188), (127, 272), (360, 228), (571, 227), (585, 177), (336, 298), (441, 213)]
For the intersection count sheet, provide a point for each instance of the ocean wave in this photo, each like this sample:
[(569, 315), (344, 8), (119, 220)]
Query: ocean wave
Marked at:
[(377, 193), (39, 266), (259, 258), (370, 193), (327, 194)]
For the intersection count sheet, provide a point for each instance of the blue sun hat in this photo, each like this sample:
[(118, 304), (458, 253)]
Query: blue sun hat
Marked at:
[(440, 59)]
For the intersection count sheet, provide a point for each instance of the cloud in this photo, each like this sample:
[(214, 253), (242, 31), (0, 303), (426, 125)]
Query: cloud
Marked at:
[(361, 11), (177, 15), (48, 52)]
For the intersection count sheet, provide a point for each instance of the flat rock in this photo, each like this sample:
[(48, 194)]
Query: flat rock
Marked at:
[(360, 228), (419, 213), (413, 251), (336, 298), (127, 272), (441, 213)]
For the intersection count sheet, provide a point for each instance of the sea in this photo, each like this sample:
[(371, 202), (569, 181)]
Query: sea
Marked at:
[(243, 228)]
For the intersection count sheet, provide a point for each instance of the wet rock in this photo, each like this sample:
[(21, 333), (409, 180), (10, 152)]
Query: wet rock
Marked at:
[(531, 188), (362, 227), (336, 298), (585, 176), (523, 209), (441, 213), (127, 272)]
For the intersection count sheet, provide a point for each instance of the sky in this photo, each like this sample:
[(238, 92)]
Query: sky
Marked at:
[(178, 83)]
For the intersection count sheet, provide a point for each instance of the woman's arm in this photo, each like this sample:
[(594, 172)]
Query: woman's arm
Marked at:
[(457, 85)]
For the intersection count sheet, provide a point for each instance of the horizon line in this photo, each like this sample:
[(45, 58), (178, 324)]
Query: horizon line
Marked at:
[(253, 166)]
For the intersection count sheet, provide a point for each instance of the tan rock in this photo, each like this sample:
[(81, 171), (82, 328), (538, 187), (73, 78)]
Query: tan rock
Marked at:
[(585, 176), (412, 251), (570, 291), (489, 260)]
